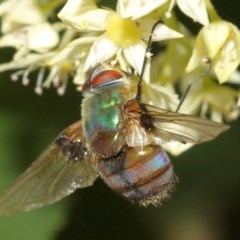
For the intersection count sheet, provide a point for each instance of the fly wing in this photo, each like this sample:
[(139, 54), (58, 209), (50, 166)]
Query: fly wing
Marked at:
[(172, 126), (52, 176)]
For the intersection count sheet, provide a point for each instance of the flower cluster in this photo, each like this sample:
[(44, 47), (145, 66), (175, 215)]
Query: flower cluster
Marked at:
[(40, 44), (62, 40)]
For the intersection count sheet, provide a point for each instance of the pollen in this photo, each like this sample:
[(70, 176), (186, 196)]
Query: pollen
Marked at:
[(124, 32)]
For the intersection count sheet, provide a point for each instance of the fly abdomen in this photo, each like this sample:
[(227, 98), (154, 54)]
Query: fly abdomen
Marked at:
[(144, 177)]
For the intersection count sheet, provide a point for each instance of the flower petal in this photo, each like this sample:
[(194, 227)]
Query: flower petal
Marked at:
[(135, 9), (226, 63), (161, 32), (194, 61), (15, 39), (159, 96), (195, 9), (83, 15), (235, 77), (13, 14), (42, 37), (101, 51), (135, 56), (215, 36), (75, 50), (236, 38), (79, 77)]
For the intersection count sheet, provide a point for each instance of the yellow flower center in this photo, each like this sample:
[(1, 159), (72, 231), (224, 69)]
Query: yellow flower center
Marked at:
[(124, 32)]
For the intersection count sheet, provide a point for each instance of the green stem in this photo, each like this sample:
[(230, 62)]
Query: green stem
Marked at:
[(212, 12)]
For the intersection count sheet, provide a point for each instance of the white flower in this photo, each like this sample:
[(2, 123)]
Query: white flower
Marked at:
[(67, 62), (54, 66), (195, 9), (220, 42), (212, 100), (159, 96), (135, 9), (38, 45), (40, 37), (121, 40), (16, 14)]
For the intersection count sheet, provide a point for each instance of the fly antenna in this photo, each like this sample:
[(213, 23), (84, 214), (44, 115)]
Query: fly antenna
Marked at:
[(202, 75), (139, 86)]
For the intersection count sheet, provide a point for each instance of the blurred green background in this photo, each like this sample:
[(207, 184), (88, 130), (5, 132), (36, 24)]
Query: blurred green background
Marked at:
[(205, 205)]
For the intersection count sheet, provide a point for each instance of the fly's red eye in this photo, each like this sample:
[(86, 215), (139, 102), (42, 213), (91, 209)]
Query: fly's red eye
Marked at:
[(105, 77), (102, 78)]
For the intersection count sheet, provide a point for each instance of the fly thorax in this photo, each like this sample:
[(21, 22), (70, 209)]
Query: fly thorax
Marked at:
[(105, 92)]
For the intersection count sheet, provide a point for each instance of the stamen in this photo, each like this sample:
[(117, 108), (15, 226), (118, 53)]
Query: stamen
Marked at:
[(40, 77), (61, 90), (56, 81), (38, 89), (25, 79), (15, 75), (168, 13)]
